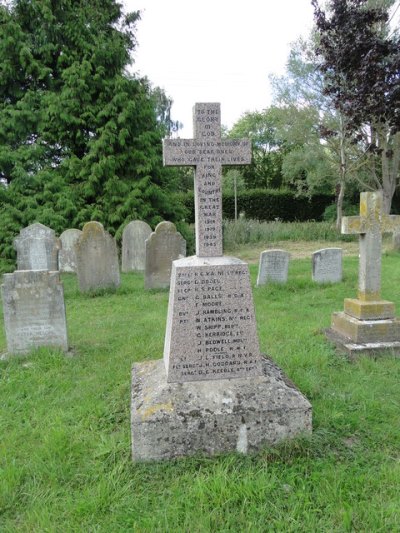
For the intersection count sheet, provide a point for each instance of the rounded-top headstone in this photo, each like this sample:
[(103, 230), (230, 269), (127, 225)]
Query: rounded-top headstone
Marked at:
[(96, 259), (37, 248), (163, 246), (273, 267), (134, 246), (67, 254)]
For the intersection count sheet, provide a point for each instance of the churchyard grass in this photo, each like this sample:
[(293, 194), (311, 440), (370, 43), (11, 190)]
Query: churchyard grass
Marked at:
[(65, 425)]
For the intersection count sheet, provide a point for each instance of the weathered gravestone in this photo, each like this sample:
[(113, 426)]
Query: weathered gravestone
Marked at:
[(96, 259), (213, 392), (163, 246), (34, 311), (37, 248), (134, 246), (396, 241), (368, 323), (273, 267), (327, 265), (67, 254)]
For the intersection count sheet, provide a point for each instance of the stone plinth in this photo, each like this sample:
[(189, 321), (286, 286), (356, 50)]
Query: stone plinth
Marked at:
[(211, 326), (210, 417), (34, 311)]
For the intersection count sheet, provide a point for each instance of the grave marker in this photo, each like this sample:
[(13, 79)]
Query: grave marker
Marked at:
[(37, 248), (213, 392), (273, 267), (34, 311), (368, 323), (67, 254), (163, 246), (134, 246), (96, 259), (327, 265)]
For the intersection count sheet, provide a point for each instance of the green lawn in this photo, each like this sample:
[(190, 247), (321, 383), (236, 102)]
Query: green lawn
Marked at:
[(65, 431)]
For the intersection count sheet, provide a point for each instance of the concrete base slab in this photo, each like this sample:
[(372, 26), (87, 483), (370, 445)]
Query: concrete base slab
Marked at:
[(210, 417), (352, 349)]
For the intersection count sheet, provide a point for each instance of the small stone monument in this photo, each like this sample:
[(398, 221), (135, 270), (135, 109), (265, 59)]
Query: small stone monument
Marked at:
[(396, 241), (214, 392), (368, 323), (67, 254), (134, 246), (96, 259), (34, 311), (163, 246), (273, 267), (327, 265), (37, 248)]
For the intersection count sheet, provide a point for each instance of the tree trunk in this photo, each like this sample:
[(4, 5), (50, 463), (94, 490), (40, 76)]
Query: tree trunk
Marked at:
[(342, 173), (390, 161), (339, 206)]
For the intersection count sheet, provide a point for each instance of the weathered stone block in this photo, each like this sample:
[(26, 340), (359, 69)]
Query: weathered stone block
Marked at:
[(34, 311), (369, 310), (364, 331), (210, 417)]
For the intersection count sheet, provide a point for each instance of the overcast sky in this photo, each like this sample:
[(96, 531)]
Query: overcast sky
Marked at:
[(217, 50)]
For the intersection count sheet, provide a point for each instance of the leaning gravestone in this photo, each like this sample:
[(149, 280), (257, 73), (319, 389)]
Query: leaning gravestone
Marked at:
[(96, 259), (134, 246), (368, 323), (213, 392), (34, 311), (273, 267), (37, 248), (327, 265), (67, 254), (163, 246)]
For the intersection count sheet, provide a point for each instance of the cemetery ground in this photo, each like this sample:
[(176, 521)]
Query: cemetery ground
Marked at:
[(65, 458)]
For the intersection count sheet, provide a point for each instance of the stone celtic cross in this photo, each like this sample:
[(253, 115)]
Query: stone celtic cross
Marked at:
[(370, 225), (207, 152)]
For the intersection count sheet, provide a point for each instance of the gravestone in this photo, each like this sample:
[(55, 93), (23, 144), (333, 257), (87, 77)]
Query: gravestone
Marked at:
[(368, 323), (213, 392), (396, 241), (163, 246), (34, 311), (327, 265), (96, 259), (134, 239), (67, 254), (273, 267), (37, 248)]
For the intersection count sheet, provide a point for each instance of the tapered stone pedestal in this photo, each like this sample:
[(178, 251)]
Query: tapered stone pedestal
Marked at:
[(210, 417)]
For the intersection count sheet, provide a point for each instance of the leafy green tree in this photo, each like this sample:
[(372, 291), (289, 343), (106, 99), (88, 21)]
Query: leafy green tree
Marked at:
[(261, 128), (360, 61), (79, 136)]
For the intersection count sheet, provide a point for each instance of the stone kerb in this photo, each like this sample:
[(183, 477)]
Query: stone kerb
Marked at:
[(327, 265), (37, 248), (163, 246), (67, 254), (34, 310), (97, 259), (134, 239), (273, 267)]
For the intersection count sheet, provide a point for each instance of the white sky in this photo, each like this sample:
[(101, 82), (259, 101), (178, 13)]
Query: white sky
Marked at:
[(216, 50)]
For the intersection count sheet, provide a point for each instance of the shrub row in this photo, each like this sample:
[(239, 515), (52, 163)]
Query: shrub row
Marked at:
[(265, 204)]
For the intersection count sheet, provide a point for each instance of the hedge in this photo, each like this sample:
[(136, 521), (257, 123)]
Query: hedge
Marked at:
[(265, 204)]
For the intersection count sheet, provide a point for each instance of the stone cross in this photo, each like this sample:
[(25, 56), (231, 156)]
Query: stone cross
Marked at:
[(207, 152), (370, 225)]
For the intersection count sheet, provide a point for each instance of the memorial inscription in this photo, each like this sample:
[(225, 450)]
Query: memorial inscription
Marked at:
[(207, 152)]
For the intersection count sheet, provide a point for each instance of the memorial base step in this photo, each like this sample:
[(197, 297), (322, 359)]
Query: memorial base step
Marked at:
[(365, 331), (210, 417), (369, 310), (353, 350)]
